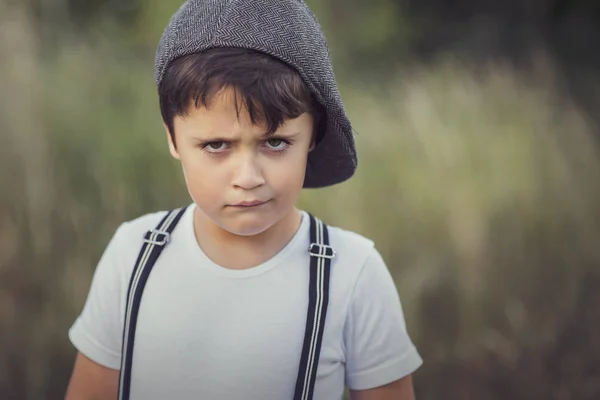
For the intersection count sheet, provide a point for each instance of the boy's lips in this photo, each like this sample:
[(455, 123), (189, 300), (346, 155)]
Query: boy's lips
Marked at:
[(248, 204)]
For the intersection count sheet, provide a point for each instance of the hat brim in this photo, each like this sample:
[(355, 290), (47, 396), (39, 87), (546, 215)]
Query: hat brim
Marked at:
[(333, 160)]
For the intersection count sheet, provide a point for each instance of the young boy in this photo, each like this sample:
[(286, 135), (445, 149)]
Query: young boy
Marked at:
[(241, 295)]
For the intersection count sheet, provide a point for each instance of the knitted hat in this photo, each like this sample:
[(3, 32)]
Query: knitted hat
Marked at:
[(288, 31)]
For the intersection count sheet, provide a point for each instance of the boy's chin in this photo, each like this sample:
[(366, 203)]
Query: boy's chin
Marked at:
[(248, 223), (247, 226)]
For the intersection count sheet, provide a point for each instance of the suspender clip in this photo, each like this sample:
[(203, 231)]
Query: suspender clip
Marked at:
[(321, 250), (160, 237)]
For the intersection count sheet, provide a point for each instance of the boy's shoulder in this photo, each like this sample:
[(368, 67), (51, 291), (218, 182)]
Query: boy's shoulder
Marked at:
[(346, 238), (129, 235), (351, 246)]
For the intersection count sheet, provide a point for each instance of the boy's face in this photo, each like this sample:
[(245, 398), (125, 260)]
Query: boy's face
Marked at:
[(241, 180)]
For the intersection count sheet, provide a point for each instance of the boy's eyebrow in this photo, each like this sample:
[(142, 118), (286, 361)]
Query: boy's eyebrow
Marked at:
[(224, 138), (282, 134)]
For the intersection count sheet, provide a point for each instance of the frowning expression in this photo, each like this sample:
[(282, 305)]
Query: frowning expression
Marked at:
[(240, 178)]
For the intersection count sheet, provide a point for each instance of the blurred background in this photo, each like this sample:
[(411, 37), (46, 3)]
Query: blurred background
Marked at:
[(479, 178)]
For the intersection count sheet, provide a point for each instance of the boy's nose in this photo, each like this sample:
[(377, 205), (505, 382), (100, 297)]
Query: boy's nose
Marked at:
[(248, 173)]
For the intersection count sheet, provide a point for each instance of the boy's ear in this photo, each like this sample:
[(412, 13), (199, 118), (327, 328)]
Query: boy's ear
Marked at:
[(172, 147)]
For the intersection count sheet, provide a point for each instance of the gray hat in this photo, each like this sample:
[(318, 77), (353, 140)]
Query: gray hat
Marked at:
[(288, 31)]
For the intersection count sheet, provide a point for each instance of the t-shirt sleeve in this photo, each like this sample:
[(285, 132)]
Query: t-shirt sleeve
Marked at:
[(378, 347), (97, 332)]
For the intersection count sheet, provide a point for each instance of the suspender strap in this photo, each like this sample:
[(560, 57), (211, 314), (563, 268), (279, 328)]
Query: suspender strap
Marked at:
[(318, 298), (154, 243)]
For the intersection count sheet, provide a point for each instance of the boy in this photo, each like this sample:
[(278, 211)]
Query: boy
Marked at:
[(235, 307)]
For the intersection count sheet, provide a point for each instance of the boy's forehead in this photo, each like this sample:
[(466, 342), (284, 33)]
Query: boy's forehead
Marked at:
[(224, 99), (227, 107), (224, 105), (223, 117)]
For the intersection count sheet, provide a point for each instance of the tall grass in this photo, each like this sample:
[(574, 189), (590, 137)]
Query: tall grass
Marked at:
[(479, 186)]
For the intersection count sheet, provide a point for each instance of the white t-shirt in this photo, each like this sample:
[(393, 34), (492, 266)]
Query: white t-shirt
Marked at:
[(207, 332)]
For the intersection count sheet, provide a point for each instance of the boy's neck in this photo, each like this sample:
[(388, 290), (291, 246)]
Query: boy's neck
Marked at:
[(242, 252)]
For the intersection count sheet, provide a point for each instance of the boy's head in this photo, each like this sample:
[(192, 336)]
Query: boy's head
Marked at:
[(247, 72), (242, 124)]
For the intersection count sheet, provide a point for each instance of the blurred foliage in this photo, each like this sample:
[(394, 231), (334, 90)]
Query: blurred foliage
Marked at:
[(479, 182)]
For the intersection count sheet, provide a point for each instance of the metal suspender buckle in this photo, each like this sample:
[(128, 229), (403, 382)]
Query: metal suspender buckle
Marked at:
[(321, 250), (160, 237)]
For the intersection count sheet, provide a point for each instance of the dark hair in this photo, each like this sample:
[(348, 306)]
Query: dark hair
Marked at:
[(270, 90)]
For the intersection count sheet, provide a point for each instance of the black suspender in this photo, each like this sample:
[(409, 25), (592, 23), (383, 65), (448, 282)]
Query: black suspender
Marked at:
[(318, 298), (154, 243), (321, 255)]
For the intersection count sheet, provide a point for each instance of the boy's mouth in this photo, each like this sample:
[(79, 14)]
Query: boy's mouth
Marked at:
[(249, 204)]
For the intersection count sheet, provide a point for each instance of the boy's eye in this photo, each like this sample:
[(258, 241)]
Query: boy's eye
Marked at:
[(277, 144), (215, 146)]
